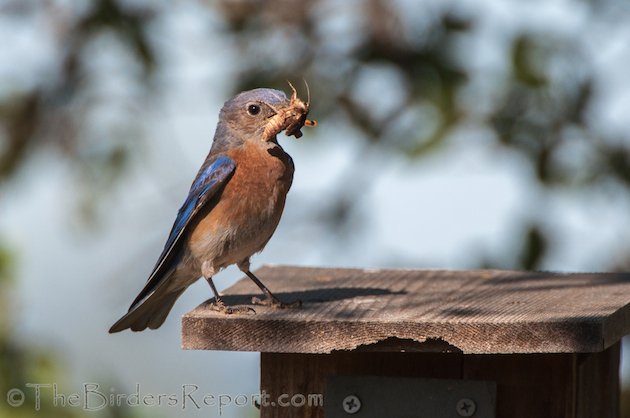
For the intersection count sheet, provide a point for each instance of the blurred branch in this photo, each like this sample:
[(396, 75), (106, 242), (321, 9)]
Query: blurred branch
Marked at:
[(47, 115), (396, 72)]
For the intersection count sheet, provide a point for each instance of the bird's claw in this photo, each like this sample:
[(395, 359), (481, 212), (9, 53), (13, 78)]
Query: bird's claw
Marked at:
[(219, 306), (276, 303)]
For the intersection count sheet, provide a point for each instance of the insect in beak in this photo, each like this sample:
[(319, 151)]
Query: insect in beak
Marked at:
[(308, 122), (290, 118), (295, 102)]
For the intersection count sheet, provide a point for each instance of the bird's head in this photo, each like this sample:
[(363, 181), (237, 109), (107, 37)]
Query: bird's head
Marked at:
[(263, 113)]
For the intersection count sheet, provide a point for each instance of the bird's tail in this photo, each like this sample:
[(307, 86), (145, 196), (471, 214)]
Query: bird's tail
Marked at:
[(150, 313)]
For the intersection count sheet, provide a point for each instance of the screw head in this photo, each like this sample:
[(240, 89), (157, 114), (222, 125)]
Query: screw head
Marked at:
[(466, 407), (351, 404)]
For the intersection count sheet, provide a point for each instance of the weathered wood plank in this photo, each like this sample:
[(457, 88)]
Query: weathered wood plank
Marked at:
[(597, 383), (306, 374), (558, 385), (528, 385), (486, 311)]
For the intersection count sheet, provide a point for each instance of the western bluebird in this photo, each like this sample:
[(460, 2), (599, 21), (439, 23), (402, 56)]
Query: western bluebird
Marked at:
[(233, 207)]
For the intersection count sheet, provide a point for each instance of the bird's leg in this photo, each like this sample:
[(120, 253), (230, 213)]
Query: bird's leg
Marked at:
[(218, 301), (218, 304), (270, 299)]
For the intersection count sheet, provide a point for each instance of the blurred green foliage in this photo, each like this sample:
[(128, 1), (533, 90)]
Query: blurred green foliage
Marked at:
[(540, 107), (20, 364)]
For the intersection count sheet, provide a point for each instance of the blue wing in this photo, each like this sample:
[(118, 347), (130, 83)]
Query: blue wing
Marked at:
[(212, 176), (209, 180)]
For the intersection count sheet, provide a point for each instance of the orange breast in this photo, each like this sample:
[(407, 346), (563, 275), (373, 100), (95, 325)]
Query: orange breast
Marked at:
[(249, 208)]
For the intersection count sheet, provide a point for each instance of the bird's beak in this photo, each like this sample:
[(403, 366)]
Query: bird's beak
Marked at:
[(290, 117)]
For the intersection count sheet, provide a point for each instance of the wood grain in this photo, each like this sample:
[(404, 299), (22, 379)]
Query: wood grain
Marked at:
[(559, 385), (471, 312)]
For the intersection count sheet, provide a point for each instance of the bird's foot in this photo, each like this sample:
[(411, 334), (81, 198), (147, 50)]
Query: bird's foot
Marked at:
[(219, 306), (276, 303)]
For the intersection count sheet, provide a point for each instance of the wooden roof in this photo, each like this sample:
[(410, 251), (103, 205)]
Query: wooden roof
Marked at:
[(471, 311)]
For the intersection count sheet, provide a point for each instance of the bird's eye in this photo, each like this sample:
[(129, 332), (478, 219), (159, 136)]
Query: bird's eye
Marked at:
[(253, 109)]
